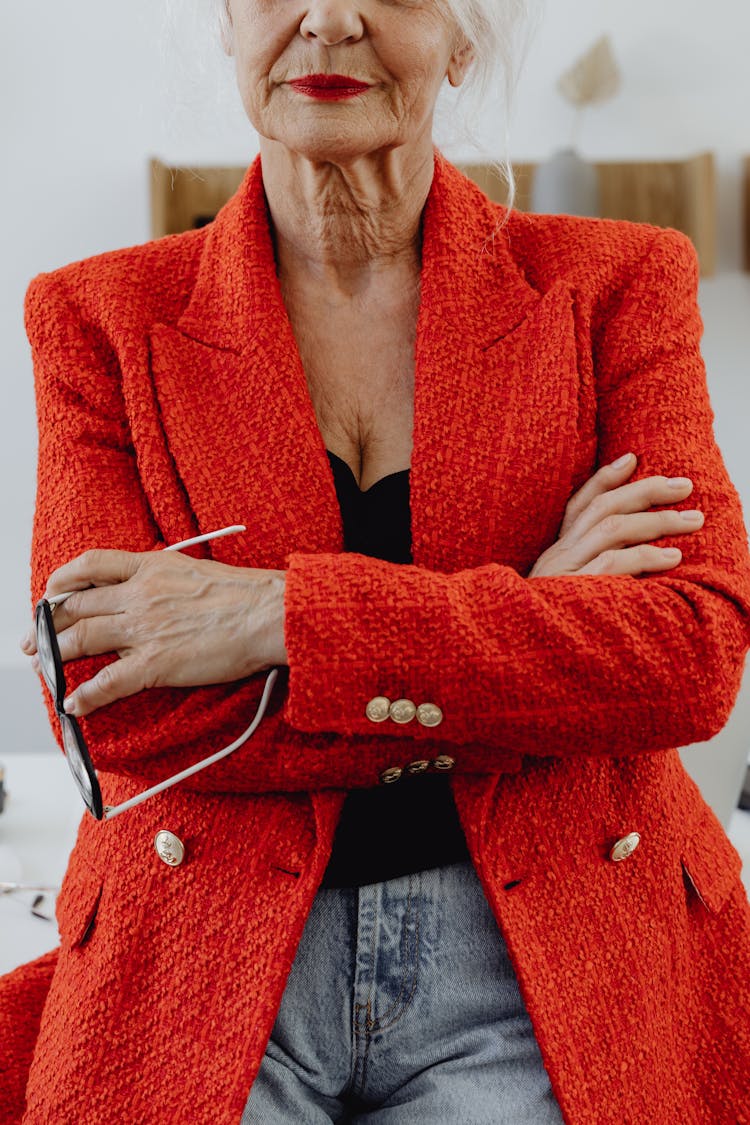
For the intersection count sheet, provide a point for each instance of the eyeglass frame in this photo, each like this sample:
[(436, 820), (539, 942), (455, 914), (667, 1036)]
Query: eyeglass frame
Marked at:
[(45, 609), (44, 892), (45, 628)]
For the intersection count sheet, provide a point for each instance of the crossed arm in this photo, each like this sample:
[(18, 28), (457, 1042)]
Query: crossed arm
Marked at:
[(582, 656), (175, 621)]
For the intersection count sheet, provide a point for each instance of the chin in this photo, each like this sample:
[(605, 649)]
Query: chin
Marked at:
[(332, 145)]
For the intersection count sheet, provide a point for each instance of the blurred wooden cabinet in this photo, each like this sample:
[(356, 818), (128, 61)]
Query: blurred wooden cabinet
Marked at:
[(673, 193), (186, 198), (670, 193), (494, 186)]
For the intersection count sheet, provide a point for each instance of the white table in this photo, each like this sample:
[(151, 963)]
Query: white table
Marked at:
[(37, 831)]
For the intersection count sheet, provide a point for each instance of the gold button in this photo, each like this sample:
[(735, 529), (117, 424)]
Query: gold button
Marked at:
[(419, 766), (444, 762), (169, 848), (625, 847), (377, 709), (402, 711), (393, 773), (429, 715)]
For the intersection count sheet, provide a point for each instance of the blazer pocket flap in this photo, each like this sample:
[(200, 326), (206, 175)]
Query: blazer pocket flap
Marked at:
[(78, 903), (711, 863)]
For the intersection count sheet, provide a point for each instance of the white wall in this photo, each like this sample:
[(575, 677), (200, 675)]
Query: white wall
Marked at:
[(89, 90)]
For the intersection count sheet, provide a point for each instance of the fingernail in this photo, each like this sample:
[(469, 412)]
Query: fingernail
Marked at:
[(35, 663), (621, 462), (26, 642), (679, 482), (671, 553), (692, 516), (69, 705)]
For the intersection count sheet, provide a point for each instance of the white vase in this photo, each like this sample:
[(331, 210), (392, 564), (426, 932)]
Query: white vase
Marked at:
[(565, 185)]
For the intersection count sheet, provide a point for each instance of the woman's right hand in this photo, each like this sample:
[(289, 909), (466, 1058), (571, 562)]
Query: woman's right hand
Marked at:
[(608, 527)]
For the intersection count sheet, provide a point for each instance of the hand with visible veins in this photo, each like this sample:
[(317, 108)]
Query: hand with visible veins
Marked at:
[(174, 621)]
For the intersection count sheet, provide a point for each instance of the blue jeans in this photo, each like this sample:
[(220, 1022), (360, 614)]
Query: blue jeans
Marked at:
[(402, 1008)]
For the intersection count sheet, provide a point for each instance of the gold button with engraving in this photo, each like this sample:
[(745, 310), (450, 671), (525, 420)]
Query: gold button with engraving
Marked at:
[(419, 766), (402, 711), (625, 847), (169, 848), (444, 762), (377, 710), (393, 773), (429, 715)]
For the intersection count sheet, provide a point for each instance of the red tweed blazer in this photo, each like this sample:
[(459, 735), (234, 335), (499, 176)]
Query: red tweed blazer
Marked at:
[(171, 401)]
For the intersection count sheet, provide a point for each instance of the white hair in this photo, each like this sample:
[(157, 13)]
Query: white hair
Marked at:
[(499, 32), (222, 16), (493, 28)]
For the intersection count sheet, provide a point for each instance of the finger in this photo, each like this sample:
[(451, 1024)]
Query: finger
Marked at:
[(27, 643), (92, 636), (99, 601), (114, 681), (94, 568), (605, 478), (617, 531), (643, 559), (635, 496), (94, 602)]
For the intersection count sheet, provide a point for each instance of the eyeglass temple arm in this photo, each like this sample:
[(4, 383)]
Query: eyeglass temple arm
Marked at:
[(8, 888), (111, 811)]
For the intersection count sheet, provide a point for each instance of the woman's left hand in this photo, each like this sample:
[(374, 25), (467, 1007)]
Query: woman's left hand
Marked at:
[(174, 621)]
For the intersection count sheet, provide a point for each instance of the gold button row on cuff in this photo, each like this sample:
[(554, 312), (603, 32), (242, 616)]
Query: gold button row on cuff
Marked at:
[(395, 773), (403, 711)]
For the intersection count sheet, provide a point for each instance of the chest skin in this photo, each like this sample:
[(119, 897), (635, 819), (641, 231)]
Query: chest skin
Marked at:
[(357, 352)]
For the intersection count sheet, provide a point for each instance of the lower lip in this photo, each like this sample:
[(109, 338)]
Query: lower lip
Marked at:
[(328, 93)]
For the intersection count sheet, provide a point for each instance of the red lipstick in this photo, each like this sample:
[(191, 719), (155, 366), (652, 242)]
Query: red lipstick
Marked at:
[(328, 87)]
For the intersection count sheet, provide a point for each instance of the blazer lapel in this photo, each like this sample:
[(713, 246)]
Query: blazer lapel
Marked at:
[(234, 403), (496, 390), (496, 399)]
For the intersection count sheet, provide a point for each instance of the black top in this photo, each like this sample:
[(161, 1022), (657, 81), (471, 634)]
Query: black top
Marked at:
[(411, 825)]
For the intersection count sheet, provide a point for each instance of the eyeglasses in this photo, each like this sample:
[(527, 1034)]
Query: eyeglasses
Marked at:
[(74, 744), (43, 903)]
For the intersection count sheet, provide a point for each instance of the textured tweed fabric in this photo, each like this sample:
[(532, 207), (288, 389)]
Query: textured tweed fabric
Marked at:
[(171, 401)]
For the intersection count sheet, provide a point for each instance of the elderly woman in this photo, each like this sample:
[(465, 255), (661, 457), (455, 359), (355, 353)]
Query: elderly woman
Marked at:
[(458, 873)]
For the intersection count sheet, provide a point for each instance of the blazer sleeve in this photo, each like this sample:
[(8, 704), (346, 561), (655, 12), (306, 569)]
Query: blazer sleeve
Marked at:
[(90, 494), (564, 665)]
